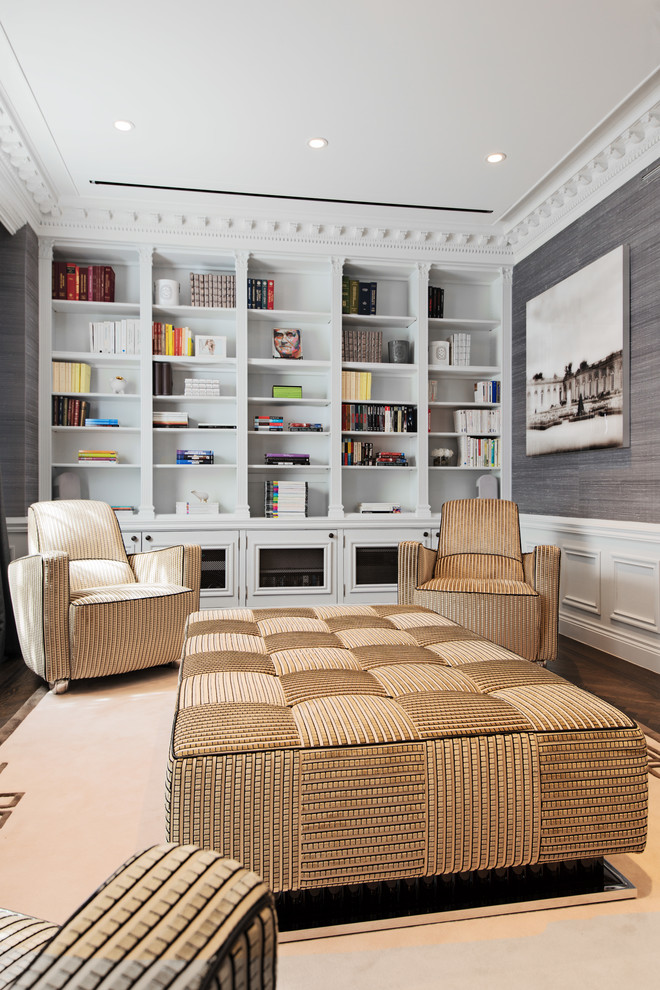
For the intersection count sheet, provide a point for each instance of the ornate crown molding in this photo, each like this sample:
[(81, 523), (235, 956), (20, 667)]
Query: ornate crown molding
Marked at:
[(29, 186), (636, 146)]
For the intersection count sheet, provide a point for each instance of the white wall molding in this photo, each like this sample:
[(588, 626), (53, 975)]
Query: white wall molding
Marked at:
[(25, 192), (610, 582)]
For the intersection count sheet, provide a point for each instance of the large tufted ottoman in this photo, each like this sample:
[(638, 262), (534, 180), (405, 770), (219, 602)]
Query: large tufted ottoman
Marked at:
[(344, 744)]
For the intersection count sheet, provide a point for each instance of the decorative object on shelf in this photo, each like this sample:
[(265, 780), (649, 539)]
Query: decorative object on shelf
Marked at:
[(287, 343), (460, 349), (166, 292), (201, 386), (162, 378), (433, 390), (487, 486), (202, 496), (206, 346), (362, 345), (67, 486), (439, 352), (287, 392), (214, 291), (398, 351), (442, 456), (118, 384)]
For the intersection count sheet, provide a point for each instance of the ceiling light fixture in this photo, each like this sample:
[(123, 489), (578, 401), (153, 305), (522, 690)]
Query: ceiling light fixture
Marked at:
[(124, 125), (317, 142), (497, 156)]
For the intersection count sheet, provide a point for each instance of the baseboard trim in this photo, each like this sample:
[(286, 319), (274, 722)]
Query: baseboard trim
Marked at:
[(614, 642)]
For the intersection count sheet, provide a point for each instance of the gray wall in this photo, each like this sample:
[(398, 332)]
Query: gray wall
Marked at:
[(623, 483), (19, 372)]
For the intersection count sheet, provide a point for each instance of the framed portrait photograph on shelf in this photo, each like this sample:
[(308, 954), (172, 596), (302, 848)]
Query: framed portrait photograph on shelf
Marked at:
[(207, 346), (287, 343)]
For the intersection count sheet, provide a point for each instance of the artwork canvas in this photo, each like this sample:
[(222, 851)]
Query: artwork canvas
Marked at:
[(287, 343), (207, 346), (577, 370)]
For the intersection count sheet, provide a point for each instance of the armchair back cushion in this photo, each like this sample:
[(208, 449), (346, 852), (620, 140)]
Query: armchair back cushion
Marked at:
[(88, 532), (480, 539)]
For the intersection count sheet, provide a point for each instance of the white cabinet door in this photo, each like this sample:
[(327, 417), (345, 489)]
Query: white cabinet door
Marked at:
[(291, 568), (370, 563)]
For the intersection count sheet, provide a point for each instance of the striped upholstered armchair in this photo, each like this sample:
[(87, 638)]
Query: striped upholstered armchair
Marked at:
[(84, 608), (172, 916), (480, 578)]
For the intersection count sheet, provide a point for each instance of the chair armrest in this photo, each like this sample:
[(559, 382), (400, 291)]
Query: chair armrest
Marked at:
[(39, 586), (541, 568), (173, 565), (415, 567), (173, 915), (21, 940)]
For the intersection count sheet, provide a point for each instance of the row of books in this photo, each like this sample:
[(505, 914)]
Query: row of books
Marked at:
[(478, 452), (194, 457), (362, 345), (489, 391), (459, 344), (436, 302), (73, 281), (356, 384), (114, 337), (215, 291), (261, 293), (69, 412), (166, 339), (477, 421), (105, 456), (71, 376), (378, 417), (356, 452), (358, 297), (285, 499)]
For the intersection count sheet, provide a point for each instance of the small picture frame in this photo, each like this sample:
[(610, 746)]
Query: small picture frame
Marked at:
[(208, 346), (287, 343)]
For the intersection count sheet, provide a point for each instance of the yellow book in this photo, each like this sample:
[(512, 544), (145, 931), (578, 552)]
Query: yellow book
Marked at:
[(169, 339), (85, 378)]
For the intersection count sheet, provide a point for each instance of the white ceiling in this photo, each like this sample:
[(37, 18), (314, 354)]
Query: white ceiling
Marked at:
[(410, 95)]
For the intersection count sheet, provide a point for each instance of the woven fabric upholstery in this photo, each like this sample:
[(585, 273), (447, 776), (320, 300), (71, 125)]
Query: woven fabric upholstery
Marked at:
[(82, 610), (173, 916), (481, 579), (344, 744)]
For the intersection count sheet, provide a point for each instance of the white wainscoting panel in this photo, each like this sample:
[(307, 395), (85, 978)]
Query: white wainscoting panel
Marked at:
[(609, 593)]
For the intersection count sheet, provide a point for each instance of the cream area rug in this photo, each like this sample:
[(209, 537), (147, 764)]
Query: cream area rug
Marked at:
[(82, 782)]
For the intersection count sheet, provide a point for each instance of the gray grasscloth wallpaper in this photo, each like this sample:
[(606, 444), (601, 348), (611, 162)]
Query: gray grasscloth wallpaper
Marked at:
[(617, 484), (19, 371)]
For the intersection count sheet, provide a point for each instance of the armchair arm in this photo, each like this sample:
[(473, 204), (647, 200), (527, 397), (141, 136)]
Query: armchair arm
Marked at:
[(173, 565), (541, 568), (416, 564), (171, 916), (39, 587)]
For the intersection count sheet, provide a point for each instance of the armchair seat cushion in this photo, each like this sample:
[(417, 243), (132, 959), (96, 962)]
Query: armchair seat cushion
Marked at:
[(485, 586), (124, 593)]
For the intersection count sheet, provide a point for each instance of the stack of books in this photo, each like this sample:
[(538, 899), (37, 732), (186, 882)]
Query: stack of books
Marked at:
[(460, 348), (356, 384), (107, 456), (293, 460), (358, 297), (260, 293), (197, 508), (72, 281), (216, 291), (101, 422), (362, 345), (123, 510), (171, 341), (436, 302), (69, 412), (194, 457), (271, 423), (71, 376), (378, 508), (306, 427), (285, 499), (114, 337), (201, 386), (391, 458), (169, 419), (487, 391)]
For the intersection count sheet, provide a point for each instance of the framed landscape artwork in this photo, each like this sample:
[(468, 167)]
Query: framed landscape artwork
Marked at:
[(578, 367)]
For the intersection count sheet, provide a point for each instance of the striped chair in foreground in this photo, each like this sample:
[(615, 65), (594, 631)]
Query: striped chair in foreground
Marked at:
[(480, 578), (173, 916), (84, 608)]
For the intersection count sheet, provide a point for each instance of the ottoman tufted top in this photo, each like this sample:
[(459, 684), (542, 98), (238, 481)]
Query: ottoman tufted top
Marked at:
[(342, 675)]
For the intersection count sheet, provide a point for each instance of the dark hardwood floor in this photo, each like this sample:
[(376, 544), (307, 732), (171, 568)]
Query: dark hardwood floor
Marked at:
[(633, 689)]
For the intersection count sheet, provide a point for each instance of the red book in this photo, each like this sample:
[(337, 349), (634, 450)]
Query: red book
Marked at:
[(59, 280), (270, 298), (108, 284), (82, 283), (71, 280), (90, 282)]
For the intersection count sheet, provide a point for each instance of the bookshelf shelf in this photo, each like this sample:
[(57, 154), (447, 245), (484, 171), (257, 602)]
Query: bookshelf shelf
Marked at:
[(378, 320)]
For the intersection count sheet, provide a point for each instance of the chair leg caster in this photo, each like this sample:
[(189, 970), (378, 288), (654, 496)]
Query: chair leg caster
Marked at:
[(60, 686)]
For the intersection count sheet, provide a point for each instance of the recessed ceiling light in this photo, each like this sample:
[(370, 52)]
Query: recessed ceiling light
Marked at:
[(317, 142), (124, 125), (497, 156)]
